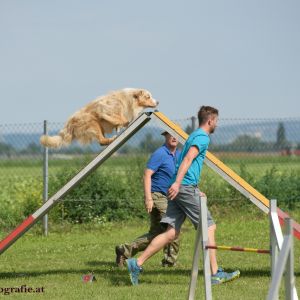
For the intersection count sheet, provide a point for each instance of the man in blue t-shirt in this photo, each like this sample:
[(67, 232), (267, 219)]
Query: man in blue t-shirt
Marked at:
[(184, 199), (157, 178)]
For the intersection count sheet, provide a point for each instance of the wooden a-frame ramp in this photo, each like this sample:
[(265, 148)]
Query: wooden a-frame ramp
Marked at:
[(229, 175)]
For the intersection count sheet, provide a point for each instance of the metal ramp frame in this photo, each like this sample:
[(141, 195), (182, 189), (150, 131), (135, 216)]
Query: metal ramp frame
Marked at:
[(229, 175), (89, 168)]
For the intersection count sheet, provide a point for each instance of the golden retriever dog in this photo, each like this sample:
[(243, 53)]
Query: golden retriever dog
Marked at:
[(106, 113)]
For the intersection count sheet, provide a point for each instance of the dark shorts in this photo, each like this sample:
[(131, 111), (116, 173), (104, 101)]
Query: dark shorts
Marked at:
[(186, 204)]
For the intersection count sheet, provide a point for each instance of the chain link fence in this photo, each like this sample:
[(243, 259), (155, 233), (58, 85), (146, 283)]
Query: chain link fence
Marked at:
[(265, 152)]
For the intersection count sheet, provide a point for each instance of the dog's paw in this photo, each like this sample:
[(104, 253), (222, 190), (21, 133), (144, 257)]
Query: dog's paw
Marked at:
[(112, 138)]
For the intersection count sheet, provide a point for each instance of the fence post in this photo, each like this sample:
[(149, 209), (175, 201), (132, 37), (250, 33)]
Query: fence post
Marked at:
[(194, 123), (45, 180)]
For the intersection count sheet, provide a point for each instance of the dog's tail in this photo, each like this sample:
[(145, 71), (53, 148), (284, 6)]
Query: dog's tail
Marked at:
[(62, 139), (51, 141)]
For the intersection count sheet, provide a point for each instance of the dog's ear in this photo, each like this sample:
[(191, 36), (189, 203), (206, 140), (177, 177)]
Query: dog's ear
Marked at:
[(138, 94)]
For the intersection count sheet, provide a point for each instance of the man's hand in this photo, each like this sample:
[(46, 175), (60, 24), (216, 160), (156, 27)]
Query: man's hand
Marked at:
[(202, 194), (148, 204), (173, 190)]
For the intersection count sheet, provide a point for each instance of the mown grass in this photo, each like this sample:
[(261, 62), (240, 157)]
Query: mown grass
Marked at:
[(34, 166), (57, 262)]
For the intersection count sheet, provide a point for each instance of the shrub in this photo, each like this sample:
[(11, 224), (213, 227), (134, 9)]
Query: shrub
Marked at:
[(282, 186), (115, 193), (19, 199), (105, 195)]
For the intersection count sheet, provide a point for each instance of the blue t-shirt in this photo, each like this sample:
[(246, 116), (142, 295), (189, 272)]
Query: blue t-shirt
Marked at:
[(163, 163), (200, 139)]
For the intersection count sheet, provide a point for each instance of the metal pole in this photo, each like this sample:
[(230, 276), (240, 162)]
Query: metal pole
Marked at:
[(195, 266), (289, 269), (201, 240), (273, 241), (278, 241), (194, 123), (206, 261), (45, 181), (240, 249), (280, 266)]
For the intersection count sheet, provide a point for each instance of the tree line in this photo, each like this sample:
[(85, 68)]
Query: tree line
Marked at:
[(242, 143)]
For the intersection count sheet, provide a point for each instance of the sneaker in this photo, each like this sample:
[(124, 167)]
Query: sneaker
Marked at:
[(222, 277), (134, 270), (166, 263), (120, 257)]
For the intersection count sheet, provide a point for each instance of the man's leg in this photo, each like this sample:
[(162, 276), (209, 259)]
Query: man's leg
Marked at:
[(171, 253), (218, 275), (170, 250), (212, 252), (174, 217), (157, 244), (190, 204), (128, 250), (135, 265)]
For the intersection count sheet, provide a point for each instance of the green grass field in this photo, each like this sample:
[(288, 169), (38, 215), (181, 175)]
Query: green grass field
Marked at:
[(57, 262), (30, 167)]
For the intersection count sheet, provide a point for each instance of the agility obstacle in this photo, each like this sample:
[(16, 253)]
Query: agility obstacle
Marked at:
[(93, 165), (285, 263), (282, 255), (214, 163), (228, 174), (227, 248)]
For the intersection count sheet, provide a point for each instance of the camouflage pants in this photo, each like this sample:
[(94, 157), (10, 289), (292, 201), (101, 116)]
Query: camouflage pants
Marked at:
[(160, 204)]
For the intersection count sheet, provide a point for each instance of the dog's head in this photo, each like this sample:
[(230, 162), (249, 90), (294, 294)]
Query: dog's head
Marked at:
[(144, 98)]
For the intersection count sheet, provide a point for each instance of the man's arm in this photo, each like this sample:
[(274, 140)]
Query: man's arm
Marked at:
[(147, 189), (184, 166)]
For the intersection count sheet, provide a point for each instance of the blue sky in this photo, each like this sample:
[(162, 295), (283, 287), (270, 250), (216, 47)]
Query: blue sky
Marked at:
[(240, 56)]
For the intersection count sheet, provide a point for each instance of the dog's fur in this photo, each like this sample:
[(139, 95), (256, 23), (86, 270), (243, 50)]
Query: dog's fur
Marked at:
[(103, 115)]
